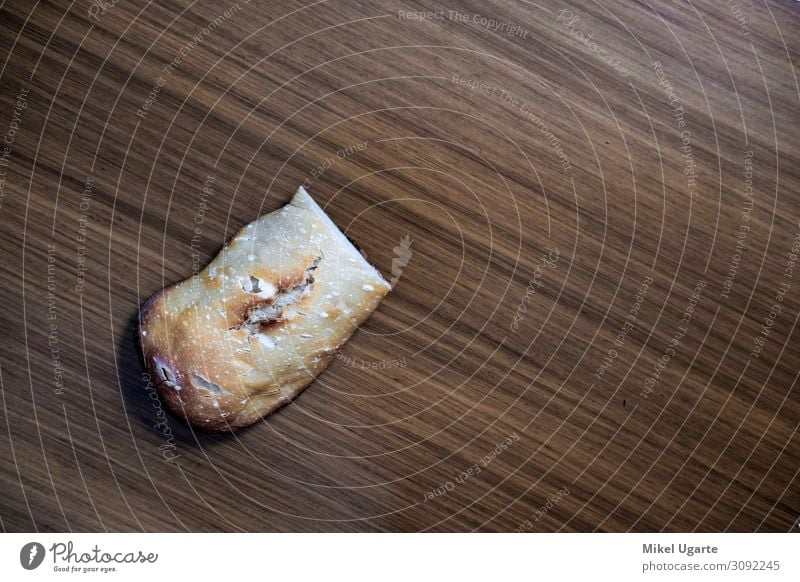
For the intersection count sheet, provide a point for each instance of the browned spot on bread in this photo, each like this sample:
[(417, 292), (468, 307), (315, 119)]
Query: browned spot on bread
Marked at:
[(257, 314)]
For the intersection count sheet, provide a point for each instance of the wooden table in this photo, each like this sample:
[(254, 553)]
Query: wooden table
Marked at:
[(590, 211)]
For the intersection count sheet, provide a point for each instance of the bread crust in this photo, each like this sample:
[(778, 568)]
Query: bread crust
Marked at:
[(266, 316)]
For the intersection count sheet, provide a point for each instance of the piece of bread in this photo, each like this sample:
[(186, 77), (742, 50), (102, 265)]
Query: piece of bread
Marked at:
[(254, 328)]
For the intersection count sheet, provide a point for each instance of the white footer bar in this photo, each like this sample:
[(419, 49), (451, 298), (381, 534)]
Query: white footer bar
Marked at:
[(401, 557)]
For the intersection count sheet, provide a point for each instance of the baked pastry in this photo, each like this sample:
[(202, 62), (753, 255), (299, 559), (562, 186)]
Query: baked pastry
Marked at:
[(249, 332)]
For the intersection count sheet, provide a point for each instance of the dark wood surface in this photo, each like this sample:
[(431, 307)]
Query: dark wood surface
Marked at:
[(640, 141)]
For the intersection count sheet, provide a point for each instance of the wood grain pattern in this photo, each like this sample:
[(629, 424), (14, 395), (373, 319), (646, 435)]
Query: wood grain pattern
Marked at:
[(564, 176)]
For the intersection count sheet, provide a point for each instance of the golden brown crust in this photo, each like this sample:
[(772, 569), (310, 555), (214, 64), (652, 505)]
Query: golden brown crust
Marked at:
[(248, 333)]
